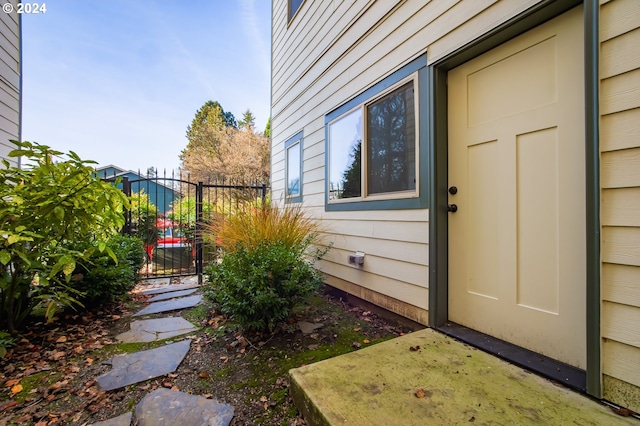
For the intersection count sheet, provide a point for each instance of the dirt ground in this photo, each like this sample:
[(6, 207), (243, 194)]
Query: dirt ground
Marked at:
[(49, 376)]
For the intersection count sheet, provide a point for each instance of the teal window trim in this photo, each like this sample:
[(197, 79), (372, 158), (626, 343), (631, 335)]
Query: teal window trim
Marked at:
[(295, 139), (418, 65)]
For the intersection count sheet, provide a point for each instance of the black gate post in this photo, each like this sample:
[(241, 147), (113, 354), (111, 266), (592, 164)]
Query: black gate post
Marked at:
[(198, 231), (127, 229), (264, 195)]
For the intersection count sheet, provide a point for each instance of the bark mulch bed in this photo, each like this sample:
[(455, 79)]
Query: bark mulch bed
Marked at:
[(48, 378)]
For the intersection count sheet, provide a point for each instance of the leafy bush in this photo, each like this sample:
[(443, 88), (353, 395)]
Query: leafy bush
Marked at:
[(144, 214), (260, 285), (266, 268), (53, 200), (100, 278), (6, 341)]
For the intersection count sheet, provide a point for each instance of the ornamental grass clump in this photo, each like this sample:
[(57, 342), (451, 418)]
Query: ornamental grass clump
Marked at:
[(267, 265), (258, 225)]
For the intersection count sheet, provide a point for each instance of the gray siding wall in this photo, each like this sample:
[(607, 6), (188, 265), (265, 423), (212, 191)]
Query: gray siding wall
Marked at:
[(9, 81)]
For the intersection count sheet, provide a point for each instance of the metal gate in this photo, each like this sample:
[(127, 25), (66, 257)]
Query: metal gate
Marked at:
[(173, 217)]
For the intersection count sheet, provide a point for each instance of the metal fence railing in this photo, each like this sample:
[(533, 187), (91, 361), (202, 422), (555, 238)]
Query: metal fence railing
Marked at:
[(171, 214)]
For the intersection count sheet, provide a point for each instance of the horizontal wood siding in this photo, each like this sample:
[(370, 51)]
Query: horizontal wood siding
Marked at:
[(329, 53), (9, 82), (620, 200)]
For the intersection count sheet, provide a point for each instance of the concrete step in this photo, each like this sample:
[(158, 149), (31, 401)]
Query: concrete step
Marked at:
[(427, 378)]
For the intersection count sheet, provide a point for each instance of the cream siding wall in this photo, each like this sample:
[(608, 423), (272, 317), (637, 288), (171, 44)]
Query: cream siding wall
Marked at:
[(9, 81), (620, 202), (330, 52)]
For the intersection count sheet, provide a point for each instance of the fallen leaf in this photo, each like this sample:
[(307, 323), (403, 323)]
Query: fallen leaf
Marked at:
[(357, 329), (24, 419), (172, 375), (356, 345), (167, 384), (115, 317), (89, 361), (12, 382), (204, 375), (8, 405), (58, 385), (625, 412), (420, 393), (57, 355), (61, 339), (16, 389), (366, 341), (174, 388)]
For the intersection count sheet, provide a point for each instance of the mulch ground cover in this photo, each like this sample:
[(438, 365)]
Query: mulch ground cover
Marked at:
[(48, 377)]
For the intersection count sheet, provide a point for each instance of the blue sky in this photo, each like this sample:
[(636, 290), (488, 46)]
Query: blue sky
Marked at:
[(119, 81)]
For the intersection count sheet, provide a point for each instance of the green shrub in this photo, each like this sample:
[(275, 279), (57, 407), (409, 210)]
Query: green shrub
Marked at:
[(54, 199), (100, 279), (259, 286)]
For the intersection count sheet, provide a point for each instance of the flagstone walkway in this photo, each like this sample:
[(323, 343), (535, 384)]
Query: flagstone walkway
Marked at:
[(162, 406)]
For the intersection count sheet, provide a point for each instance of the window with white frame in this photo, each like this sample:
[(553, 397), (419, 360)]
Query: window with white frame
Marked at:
[(373, 148), (293, 168)]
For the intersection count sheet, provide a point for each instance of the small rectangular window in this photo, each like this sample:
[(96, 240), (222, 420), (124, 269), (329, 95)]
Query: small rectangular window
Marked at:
[(293, 7), (293, 169), (373, 148), (345, 148)]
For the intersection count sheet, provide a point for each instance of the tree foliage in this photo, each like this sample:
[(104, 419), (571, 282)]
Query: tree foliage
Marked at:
[(43, 207), (248, 121), (217, 149), (267, 129)]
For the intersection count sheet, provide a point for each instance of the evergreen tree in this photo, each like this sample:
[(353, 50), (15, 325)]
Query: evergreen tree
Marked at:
[(248, 120), (267, 129)]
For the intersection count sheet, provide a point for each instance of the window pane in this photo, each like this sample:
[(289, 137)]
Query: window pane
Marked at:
[(391, 142), (345, 145), (294, 5), (293, 170)]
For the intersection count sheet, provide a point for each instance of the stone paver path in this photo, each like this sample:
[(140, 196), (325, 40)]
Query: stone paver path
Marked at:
[(168, 289), (137, 367), (162, 406), (123, 420), (172, 295), (180, 408), (170, 305), (156, 329)]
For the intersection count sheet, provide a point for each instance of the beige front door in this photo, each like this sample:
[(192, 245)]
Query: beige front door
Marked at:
[(517, 159)]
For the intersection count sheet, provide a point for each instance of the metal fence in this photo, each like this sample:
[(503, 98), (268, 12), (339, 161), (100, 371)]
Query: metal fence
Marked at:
[(173, 215)]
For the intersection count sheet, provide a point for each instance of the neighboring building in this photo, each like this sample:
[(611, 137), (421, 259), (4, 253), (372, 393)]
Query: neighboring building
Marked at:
[(485, 158), (160, 193), (10, 81)]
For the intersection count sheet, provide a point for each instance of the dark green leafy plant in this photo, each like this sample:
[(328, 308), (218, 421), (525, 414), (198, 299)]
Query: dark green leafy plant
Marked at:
[(100, 278), (259, 286), (144, 214), (53, 200), (6, 341)]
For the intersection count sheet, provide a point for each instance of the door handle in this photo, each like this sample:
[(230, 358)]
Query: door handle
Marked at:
[(452, 208)]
